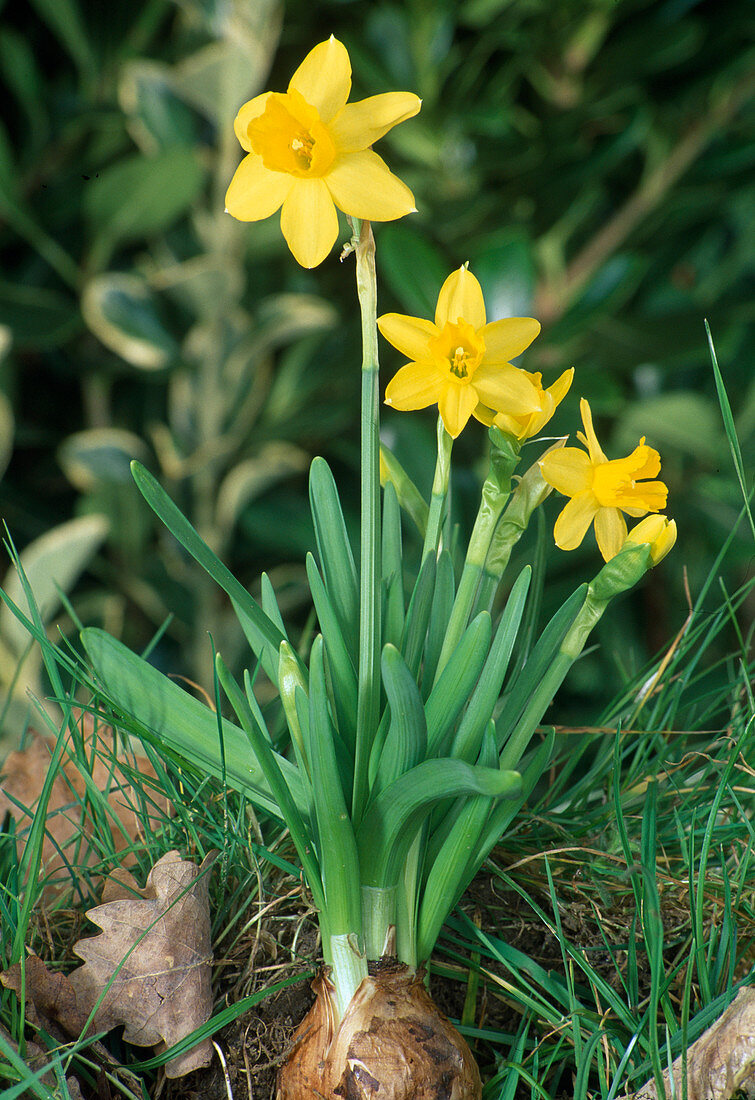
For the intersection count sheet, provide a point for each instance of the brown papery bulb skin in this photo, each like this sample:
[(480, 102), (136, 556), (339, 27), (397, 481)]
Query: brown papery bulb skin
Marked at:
[(392, 1044)]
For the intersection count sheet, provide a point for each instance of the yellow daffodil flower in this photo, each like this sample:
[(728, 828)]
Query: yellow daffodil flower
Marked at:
[(529, 424), (460, 361), (601, 489), (658, 532), (309, 152)]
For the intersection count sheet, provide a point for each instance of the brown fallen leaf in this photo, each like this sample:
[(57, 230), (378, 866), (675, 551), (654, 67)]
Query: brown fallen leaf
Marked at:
[(154, 960), (721, 1063), (50, 997), (23, 775)]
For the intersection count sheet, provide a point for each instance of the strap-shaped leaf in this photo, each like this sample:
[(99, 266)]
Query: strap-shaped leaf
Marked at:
[(504, 813), (339, 862), (300, 833), (529, 678), (181, 723), (447, 878), (393, 569), (392, 819), (409, 496), (468, 739), (270, 604), (418, 616), (406, 743), (443, 602), (262, 634), (334, 551), (340, 664), (456, 681)]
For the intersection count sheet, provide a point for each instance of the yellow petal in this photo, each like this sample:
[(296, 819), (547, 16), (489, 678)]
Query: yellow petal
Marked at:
[(363, 186), (610, 531), (595, 449), (455, 405), (359, 125), (561, 386), (461, 296), (415, 386), (506, 339), (324, 78), (251, 110), (505, 389), (486, 416), (576, 517), (408, 334), (568, 470), (309, 221), (255, 192)]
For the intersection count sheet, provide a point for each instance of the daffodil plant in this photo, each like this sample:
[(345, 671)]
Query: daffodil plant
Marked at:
[(410, 741)]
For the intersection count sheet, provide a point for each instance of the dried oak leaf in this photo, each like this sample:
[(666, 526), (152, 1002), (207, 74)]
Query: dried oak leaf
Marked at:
[(50, 997), (721, 1063), (23, 776), (154, 957)]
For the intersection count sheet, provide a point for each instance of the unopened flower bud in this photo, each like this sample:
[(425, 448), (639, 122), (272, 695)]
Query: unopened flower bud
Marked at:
[(656, 531)]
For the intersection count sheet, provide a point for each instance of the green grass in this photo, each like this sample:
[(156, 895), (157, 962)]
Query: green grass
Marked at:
[(611, 926)]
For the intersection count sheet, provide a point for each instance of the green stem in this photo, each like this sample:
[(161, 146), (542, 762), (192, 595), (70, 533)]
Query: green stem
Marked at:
[(495, 493), (378, 914), (348, 969), (368, 700), (439, 493)]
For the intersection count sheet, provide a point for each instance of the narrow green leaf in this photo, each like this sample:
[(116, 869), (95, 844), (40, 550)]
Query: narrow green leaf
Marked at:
[(455, 683), (406, 743), (469, 735), (269, 603), (409, 496), (263, 635), (418, 616), (339, 861), (181, 723), (731, 431), (443, 602), (340, 664), (392, 819), (393, 569), (530, 677), (266, 758), (534, 764), (334, 551), (447, 879)]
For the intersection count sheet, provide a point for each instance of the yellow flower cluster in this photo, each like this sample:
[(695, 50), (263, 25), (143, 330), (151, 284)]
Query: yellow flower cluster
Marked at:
[(308, 154)]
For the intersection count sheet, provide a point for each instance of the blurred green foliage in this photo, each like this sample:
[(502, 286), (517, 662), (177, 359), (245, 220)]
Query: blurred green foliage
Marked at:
[(591, 160)]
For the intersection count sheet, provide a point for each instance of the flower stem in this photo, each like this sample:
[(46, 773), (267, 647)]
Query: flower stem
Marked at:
[(495, 492), (439, 493), (368, 700), (378, 915)]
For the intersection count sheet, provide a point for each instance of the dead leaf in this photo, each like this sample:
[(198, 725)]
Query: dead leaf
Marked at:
[(153, 960), (24, 773), (721, 1063), (50, 997)]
